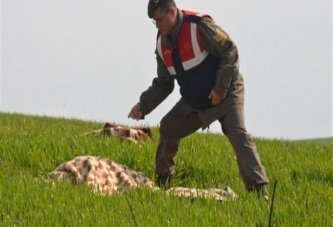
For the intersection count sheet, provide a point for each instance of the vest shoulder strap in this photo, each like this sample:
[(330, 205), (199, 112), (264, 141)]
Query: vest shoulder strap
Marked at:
[(193, 18)]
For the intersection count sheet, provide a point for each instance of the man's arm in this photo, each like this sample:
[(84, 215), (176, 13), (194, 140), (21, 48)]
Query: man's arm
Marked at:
[(218, 43), (160, 89)]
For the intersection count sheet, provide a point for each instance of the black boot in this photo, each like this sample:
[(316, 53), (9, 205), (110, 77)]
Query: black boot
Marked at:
[(163, 182)]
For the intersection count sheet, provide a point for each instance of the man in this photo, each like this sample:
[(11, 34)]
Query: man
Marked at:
[(196, 52)]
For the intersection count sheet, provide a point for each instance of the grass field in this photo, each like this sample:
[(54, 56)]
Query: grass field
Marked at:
[(32, 146)]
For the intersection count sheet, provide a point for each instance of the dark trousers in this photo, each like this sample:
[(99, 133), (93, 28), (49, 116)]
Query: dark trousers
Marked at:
[(174, 126)]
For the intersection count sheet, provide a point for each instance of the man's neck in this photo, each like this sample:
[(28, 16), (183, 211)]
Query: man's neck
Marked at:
[(175, 30)]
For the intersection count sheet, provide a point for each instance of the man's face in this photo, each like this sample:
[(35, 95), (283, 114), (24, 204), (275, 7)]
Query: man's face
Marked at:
[(164, 21)]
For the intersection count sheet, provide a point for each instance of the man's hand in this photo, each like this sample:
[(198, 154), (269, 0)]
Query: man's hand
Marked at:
[(216, 100), (135, 113)]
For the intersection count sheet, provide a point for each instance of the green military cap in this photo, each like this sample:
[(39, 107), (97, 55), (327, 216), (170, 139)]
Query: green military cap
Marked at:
[(152, 6)]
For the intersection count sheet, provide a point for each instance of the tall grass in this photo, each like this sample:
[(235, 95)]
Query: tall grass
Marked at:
[(32, 146)]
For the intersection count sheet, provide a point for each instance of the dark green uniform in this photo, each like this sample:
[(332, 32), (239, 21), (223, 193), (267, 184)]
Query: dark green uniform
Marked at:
[(182, 120)]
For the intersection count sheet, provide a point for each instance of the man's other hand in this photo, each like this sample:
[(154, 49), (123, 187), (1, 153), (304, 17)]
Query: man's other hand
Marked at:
[(216, 100)]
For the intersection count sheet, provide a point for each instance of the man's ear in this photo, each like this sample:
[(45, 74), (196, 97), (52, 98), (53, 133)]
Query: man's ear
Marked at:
[(173, 12)]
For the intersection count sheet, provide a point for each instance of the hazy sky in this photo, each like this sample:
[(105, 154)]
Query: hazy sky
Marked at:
[(92, 59)]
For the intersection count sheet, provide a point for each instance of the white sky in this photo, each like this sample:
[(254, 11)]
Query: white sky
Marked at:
[(92, 59)]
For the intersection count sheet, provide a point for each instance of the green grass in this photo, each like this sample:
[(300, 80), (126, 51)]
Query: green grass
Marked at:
[(32, 146), (319, 141)]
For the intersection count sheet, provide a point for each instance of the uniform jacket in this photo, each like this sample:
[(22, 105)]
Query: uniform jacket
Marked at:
[(228, 82)]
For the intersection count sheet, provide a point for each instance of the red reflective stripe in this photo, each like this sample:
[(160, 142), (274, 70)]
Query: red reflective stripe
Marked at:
[(184, 38)]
